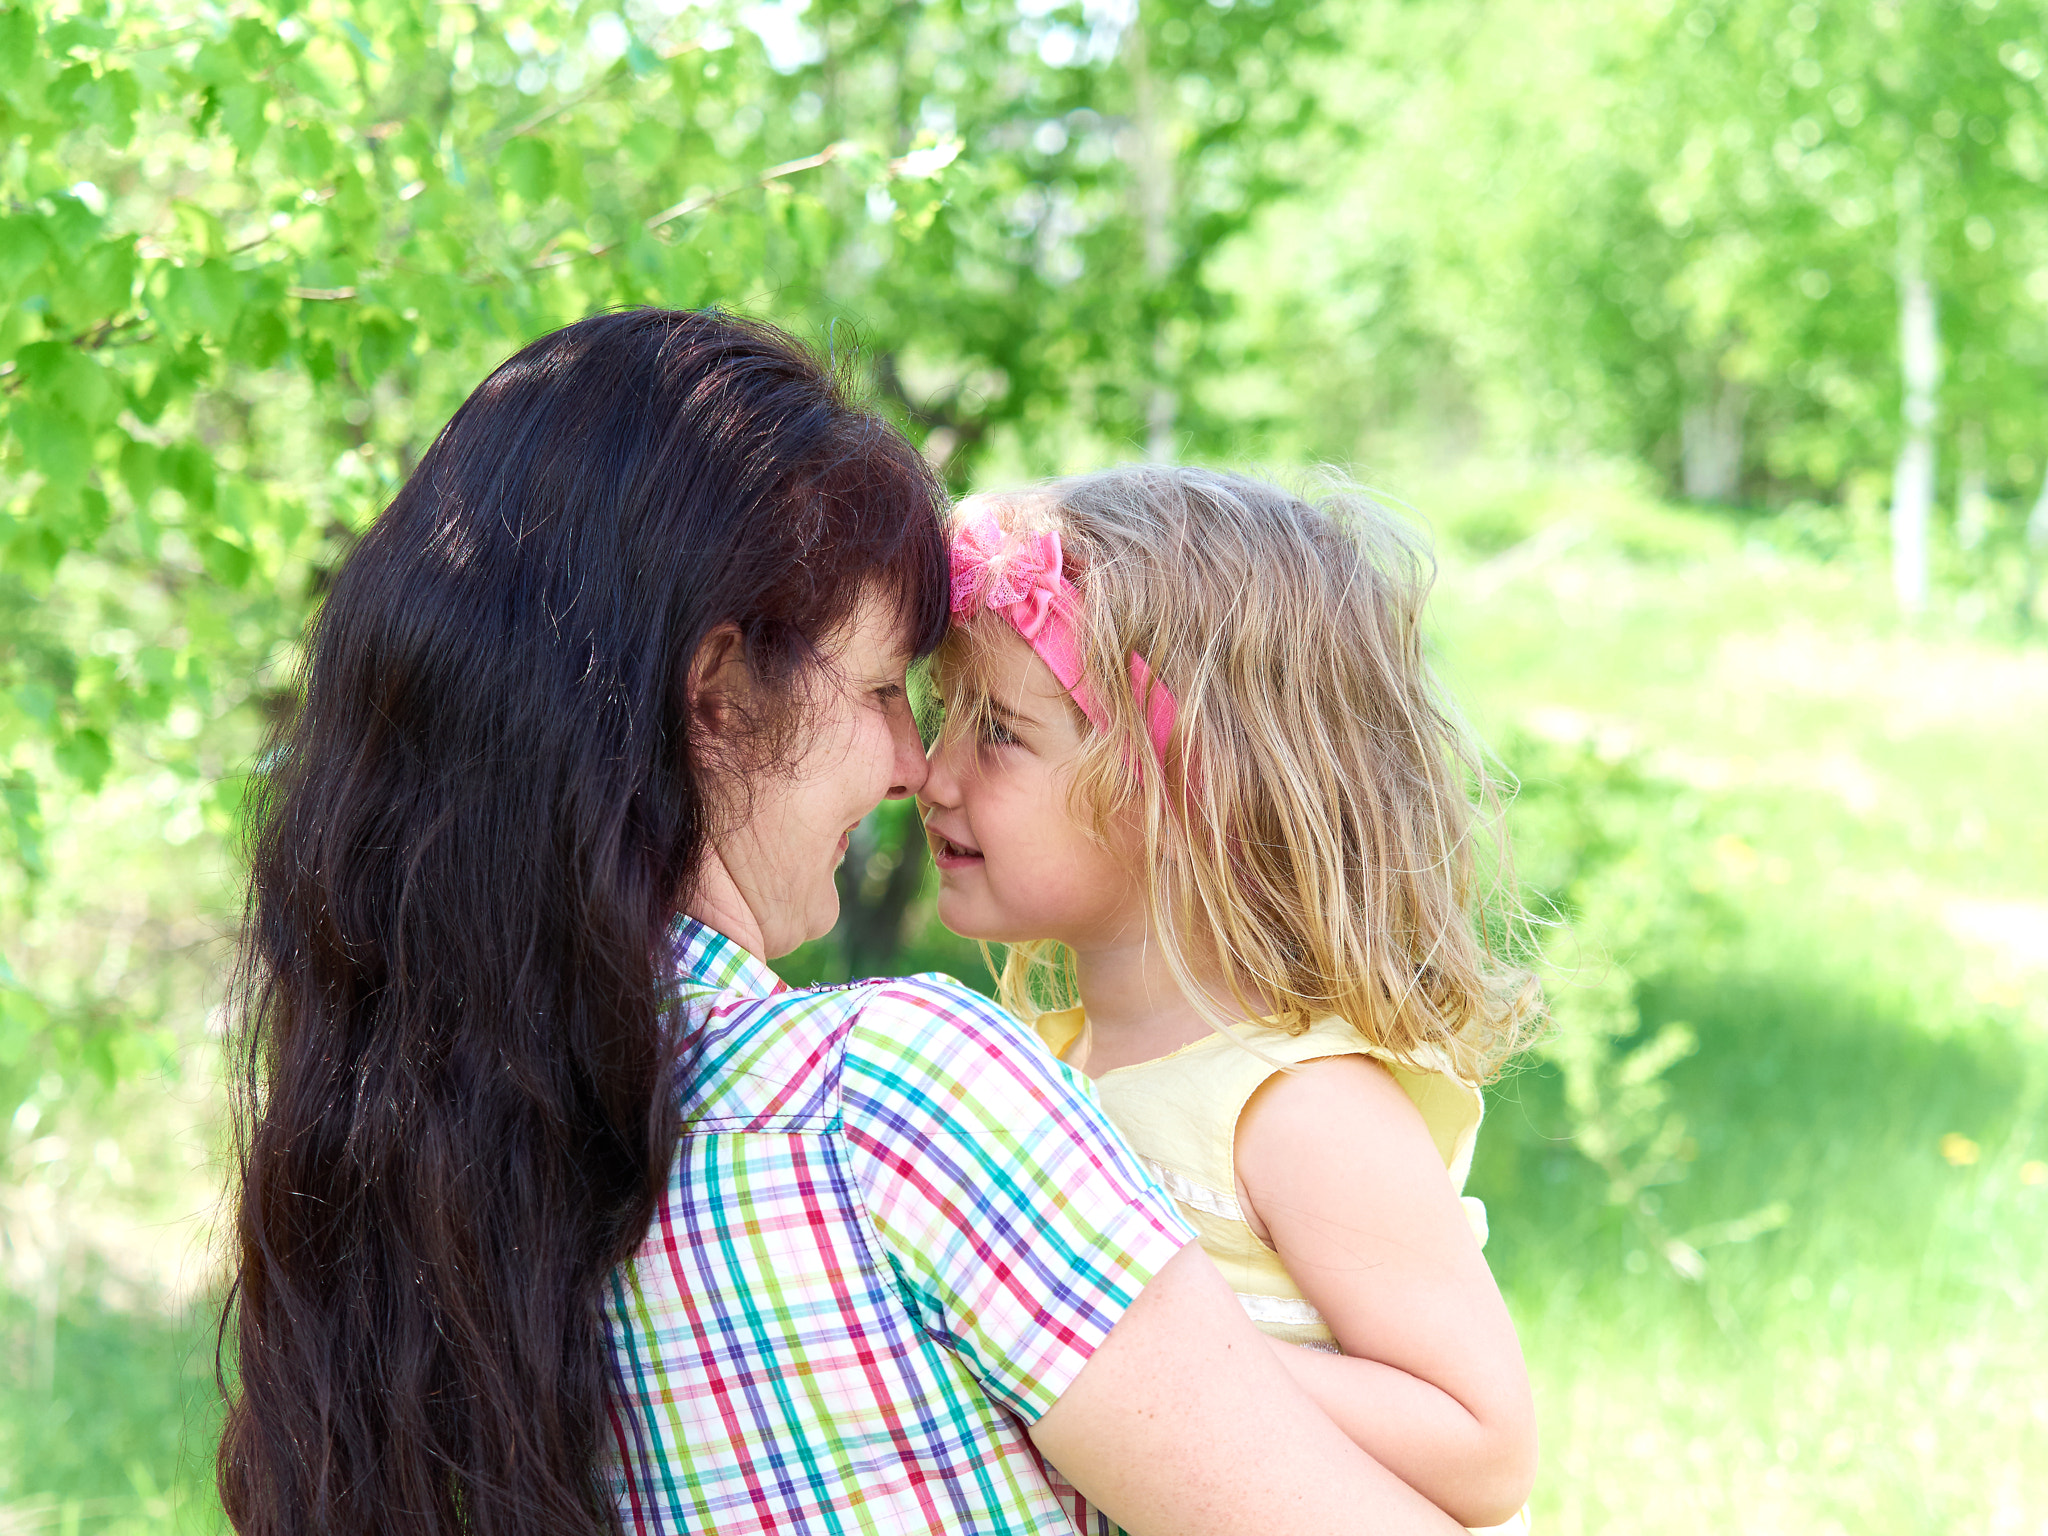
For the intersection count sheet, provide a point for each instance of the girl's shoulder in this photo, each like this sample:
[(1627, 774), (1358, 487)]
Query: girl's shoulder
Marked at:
[(1451, 1108), (1196, 1095)]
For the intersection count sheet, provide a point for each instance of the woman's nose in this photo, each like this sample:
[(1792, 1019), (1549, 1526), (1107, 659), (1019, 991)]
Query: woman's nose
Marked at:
[(910, 767)]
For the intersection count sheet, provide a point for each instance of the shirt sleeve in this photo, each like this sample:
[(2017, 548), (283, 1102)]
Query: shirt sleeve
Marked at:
[(1020, 1224)]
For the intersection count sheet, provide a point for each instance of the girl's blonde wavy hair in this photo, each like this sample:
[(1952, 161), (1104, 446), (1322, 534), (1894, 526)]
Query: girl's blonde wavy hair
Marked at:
[(1322, 835)]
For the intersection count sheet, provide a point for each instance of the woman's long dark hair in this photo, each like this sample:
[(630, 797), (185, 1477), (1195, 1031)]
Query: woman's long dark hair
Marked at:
[(457, 1111)]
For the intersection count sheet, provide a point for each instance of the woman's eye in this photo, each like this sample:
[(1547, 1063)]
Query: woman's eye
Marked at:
[(889, 693)]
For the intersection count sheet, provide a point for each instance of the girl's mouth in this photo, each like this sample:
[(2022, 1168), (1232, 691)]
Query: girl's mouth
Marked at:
[(948, 854)]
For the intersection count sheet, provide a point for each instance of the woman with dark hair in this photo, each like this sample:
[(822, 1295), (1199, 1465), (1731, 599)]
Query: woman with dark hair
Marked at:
[(557, 1212)]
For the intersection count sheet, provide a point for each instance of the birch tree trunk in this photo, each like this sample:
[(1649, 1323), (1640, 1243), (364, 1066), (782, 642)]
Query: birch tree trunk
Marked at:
[(1152, 172), (1973, 489), (1920, 367), (2037, 555), (1710, 441)]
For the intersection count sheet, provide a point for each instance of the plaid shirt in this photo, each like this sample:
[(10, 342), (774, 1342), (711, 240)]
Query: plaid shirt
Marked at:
[(895, 1231)]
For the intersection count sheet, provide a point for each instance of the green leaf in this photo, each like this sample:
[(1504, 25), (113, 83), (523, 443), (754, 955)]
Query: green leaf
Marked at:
[(94, 513), (102, 284), (22, 1018), (255, 42), (228, 798), (93, 517), (17, 324), (97, 1051), (204, 299), (60, 525), (62, 95), (317, 355), (147, 534), (64, 376), (529, 166), (54, 441), (242, 504), (227, 563), (360, 39), (309, 152), (71, 225), (187, 468), (15, 1035), (381, 339), (120, 99), (36, 550), (201, 227), (23, 250), (38, 701), (139, 470), (86, 756), (18, 56), (25, 820), (243, 115), (261, 338)]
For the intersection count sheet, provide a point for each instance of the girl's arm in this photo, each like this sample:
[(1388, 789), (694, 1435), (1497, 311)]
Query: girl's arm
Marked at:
[(1339, 1174)]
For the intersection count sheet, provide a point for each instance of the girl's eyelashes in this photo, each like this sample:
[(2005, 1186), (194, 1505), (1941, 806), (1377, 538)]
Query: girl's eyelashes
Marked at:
[(995, 734)]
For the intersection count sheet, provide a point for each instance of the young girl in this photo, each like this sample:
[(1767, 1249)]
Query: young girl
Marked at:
[(1194, 771)]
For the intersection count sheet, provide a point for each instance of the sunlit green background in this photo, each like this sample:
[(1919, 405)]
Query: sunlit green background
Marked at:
[(1663, 318)]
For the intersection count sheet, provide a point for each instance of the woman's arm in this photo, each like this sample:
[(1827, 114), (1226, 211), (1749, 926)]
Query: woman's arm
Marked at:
[(1183, 1424), (1340, 1176)]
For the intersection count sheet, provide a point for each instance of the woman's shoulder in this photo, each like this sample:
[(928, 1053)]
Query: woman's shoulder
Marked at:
[(909, 1011), (932, 1037)]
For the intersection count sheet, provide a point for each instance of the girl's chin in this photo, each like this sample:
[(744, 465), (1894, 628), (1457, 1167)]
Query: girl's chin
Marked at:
[(960, 917)]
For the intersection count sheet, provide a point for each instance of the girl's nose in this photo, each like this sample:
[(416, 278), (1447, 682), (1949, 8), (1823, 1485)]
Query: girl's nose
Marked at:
[(941, 785)]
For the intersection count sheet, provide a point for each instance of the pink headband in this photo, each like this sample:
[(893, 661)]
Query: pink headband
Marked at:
[(1020, 577)]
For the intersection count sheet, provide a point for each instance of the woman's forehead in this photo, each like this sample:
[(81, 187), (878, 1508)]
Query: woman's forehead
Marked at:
[(877, 635)]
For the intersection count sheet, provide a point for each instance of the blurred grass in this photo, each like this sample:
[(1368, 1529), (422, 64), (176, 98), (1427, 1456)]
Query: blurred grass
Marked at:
[(1822, 850), (107, 1420), (1825, 805)]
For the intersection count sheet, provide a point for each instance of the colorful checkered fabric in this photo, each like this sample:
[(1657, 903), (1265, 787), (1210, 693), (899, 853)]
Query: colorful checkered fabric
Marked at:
[(895, 1231)]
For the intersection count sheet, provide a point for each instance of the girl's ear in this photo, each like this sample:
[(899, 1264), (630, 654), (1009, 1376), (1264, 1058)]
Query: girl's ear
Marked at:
[(720, 682)]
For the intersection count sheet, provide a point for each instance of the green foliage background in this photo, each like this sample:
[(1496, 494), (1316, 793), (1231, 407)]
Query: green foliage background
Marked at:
[(1769, 1207)]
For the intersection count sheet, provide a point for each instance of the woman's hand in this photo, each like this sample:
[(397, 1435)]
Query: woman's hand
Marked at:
[(1184, 1424)]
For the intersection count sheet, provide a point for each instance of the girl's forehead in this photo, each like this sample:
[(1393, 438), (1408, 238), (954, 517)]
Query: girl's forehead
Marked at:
[(988, 657)]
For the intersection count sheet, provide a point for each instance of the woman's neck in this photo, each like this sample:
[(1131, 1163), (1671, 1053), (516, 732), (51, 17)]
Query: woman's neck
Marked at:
[(1136, 1010), (716, 902)]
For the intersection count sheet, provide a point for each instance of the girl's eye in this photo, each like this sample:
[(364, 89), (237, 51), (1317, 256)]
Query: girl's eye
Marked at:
[(995, 734)]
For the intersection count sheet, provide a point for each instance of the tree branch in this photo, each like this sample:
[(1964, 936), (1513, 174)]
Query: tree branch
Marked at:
[(690, 205), (940, 414)]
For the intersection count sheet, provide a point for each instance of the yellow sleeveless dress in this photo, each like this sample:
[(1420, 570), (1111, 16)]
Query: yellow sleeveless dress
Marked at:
[(1179, 1112)]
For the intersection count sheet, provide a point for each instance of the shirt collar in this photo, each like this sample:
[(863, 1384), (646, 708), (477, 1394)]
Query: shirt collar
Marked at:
[(706, 959)]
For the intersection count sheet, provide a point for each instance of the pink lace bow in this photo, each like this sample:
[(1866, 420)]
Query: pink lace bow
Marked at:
[(1021, 578)]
